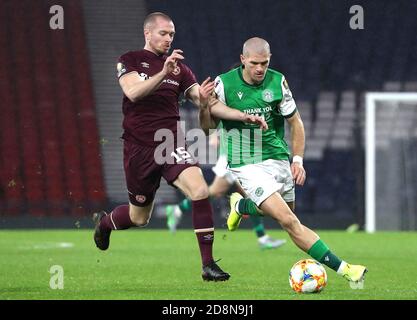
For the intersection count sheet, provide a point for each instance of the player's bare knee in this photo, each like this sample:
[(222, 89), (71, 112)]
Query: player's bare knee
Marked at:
[(140, 216), (290, 223), (142, 224), (200, 192), (140, 221)]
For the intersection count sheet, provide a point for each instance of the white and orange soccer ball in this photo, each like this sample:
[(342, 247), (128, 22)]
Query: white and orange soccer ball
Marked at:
[(308, 276)]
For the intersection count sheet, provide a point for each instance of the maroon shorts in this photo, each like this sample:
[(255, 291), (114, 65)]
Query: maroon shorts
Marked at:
[(143, 170)]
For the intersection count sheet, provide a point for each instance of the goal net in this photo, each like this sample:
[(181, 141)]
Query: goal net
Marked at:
[(391, 161)]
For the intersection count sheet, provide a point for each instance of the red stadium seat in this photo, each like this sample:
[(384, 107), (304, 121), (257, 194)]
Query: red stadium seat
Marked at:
[(46, 150)]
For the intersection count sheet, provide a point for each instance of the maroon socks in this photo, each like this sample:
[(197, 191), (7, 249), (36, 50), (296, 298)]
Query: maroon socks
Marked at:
[(118, 219), (202, 214), (204, 228)]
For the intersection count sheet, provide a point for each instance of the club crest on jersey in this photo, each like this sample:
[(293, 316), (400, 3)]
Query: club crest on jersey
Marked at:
[(176, 71), (240, 95), (140, 198), (267, 95)]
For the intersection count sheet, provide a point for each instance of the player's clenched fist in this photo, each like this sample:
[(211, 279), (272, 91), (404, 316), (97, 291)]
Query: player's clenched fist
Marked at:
[(248, 118), (171, 62)]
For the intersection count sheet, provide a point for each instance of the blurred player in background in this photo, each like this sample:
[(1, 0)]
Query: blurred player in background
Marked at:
[(222, 183), (269, 179), (152, 82)]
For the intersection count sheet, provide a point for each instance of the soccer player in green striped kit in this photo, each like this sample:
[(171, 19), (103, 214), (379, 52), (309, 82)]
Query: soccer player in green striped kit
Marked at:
[(261, 160)]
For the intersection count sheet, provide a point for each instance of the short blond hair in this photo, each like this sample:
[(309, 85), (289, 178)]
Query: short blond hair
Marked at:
[(150, 19), (256, 45)]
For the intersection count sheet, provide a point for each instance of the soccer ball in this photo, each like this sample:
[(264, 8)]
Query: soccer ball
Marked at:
[(308, 276)]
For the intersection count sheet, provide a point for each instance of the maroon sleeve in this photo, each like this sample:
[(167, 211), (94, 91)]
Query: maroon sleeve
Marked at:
[(188, 78), (125, 64)]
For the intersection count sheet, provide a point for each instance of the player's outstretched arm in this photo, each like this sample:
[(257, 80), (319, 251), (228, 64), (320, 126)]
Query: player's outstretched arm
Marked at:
[(135, 88), (211, 109), (298, 145), (221, 111)]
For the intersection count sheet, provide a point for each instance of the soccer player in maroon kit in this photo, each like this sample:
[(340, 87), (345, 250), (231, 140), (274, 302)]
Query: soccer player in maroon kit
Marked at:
[(152, 82)]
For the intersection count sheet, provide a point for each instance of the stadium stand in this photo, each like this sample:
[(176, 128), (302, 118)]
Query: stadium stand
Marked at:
[(50, 158), (328, 67), (60, 152), (111, 30)]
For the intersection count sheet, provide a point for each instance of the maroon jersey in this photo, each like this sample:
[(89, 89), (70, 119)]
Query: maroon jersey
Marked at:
[(159, 110)]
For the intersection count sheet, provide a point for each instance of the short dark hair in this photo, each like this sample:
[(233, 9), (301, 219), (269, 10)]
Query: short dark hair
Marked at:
[(150, 18)]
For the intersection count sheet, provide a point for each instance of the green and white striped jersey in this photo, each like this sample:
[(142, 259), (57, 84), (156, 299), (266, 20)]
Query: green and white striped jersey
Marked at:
[(272, 100)]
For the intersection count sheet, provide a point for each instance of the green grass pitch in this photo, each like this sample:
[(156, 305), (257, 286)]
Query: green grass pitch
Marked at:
[(156, 265)]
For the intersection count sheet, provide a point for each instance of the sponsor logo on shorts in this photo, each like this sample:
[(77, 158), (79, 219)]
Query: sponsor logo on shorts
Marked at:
[(140, 198), (259, 191)]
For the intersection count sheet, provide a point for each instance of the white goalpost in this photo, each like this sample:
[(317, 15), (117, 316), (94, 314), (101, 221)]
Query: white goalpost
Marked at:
[(390, 161)]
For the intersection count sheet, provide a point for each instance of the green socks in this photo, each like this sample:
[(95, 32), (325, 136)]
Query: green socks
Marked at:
[(258, 226), (247, 206), (185, 205), (321, 252)]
